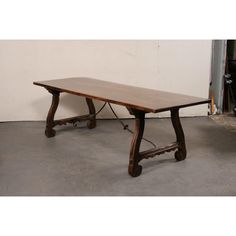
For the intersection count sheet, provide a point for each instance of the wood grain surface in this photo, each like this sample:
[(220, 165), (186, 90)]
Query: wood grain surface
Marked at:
[(143, 99)]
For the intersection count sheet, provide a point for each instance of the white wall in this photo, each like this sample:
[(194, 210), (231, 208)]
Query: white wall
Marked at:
[(181, 66)]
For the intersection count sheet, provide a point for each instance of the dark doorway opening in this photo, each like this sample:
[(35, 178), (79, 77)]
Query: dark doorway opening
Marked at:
[(229, 99)]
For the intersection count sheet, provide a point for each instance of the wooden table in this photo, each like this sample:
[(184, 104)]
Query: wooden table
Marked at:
[(138, 101)]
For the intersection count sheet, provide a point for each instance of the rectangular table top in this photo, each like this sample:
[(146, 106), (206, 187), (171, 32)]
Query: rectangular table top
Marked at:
[(144, 99)]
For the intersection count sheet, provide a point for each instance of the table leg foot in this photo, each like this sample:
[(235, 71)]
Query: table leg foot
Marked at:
[(50, 133), (91, 124), (180, 156), (135, 171)]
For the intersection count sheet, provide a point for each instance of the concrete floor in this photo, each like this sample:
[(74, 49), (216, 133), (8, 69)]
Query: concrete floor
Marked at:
[(84, 162), (228, 120)]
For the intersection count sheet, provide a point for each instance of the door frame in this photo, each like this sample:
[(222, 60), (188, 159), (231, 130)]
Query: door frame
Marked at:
[(219, 49)]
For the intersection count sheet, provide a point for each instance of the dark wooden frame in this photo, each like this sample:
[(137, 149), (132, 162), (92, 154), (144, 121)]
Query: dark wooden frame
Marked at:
[(87, 88), (51, 123), (134, 169)]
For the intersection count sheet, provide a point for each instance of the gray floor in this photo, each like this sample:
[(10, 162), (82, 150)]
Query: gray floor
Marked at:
[(228, 120), (86, 162)]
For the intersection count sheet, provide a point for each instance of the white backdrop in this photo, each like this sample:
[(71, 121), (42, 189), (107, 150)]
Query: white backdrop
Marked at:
[(180, 66)]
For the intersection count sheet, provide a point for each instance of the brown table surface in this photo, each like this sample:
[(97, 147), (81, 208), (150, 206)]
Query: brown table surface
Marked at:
[(144, 99)]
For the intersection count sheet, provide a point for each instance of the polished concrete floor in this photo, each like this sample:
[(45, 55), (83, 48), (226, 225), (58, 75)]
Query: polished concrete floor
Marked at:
[(83, 162)]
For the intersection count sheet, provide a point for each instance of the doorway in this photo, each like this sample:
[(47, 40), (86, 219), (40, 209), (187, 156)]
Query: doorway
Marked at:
[(229, 99), (223, 77)]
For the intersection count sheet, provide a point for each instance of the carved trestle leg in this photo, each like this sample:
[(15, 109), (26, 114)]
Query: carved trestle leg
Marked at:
[(50, 122), (134, 169), (92, 112), (49, 131), (181, 153), (135, 156)]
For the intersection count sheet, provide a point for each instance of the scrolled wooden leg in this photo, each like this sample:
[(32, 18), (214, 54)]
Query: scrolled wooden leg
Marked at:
[(92, 122), (134, 168), (181, 153), (49, 131)]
